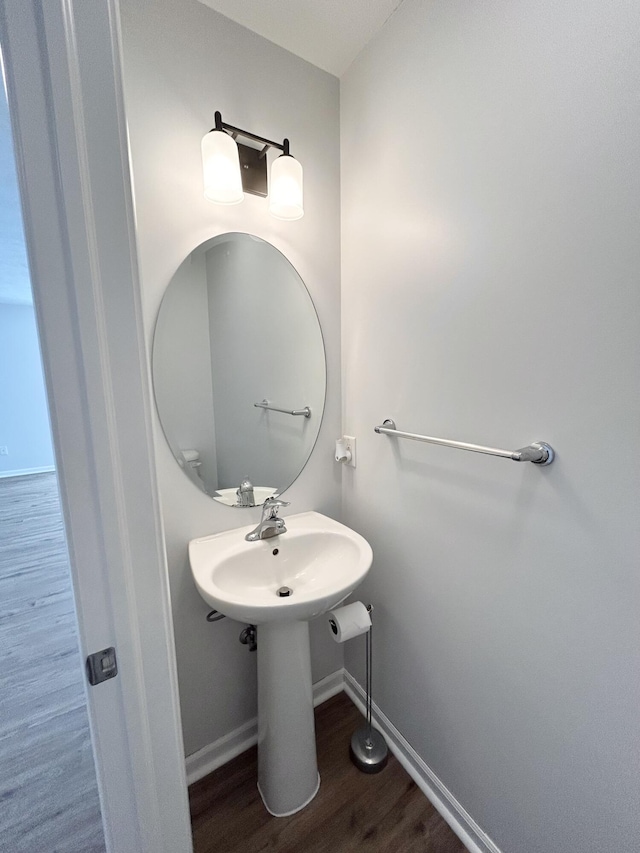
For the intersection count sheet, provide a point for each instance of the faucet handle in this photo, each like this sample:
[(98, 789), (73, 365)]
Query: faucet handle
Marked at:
[(244, 493), (272, 504)]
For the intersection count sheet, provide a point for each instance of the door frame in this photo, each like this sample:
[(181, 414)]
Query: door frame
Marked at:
[(63, 74)]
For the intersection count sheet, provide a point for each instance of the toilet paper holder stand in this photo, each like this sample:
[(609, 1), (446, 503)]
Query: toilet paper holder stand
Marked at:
[(368, 748)]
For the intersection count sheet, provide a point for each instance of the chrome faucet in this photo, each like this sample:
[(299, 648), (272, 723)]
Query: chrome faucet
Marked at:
[(245, 493), (270, 525)]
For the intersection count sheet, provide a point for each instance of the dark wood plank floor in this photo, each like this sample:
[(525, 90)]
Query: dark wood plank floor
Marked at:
[(353, 811), (48, 792)]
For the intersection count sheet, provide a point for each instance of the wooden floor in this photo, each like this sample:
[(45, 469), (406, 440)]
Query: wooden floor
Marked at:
[(353, 811), (48, 794)]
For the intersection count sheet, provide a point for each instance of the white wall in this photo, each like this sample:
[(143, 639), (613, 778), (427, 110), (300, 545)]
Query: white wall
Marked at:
[(15, 283), (24, 417), (183, 61), (491, 199)]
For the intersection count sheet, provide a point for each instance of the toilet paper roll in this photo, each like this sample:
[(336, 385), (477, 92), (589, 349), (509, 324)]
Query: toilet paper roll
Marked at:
[(349, 621)]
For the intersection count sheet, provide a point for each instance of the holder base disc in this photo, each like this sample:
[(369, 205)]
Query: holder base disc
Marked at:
[(369, 750)]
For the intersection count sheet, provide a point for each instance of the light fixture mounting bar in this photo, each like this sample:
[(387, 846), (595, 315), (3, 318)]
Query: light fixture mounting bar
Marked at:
[(237, 131)]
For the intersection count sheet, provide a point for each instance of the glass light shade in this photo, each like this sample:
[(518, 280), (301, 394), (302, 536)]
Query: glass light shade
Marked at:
[(285, 188), (221, 168)]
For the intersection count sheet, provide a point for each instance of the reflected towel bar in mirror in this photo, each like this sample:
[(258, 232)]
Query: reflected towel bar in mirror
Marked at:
[(538, 452), (265, 404)]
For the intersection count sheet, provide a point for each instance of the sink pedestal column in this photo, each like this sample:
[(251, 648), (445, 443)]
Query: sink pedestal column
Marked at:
[(288, 777)]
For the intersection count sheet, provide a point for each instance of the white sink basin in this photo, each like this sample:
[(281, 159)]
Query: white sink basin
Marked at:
[(319, 559)]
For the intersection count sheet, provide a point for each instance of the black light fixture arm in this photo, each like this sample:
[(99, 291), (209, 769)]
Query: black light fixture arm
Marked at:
[(236, 131)]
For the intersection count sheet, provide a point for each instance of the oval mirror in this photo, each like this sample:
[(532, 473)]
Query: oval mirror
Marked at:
[(239, 369)]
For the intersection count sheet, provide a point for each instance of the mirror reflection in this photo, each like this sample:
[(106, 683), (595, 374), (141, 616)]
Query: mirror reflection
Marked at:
[(239, 369)]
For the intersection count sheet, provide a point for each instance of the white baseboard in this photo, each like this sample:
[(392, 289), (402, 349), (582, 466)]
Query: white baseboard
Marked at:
[(460, 821), (199, 764), (23, 472), (215, 754), (328, 687)]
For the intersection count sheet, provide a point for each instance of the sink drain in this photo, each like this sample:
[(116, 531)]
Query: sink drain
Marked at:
[(284, 592)]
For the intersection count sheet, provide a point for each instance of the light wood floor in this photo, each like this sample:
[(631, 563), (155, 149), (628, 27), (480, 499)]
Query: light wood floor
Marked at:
[(353, 811), (48, 794)]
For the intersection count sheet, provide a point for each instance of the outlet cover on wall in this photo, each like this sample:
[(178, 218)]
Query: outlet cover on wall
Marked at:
[(351, 446), (4, 450)]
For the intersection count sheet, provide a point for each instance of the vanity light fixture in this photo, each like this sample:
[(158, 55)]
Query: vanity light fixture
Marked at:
[(230, 169)]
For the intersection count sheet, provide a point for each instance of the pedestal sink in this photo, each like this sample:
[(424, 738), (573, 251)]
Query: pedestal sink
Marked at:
[(320, 561)]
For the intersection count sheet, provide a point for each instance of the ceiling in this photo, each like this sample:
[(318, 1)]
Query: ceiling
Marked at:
[(327, 33)]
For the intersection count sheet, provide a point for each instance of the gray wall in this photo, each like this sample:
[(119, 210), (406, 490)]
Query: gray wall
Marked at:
[(182, 61), (491, 193), (263, 323), (181, 348)]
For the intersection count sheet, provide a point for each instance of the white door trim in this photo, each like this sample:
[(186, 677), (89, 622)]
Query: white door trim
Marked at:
[(62, 65)]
